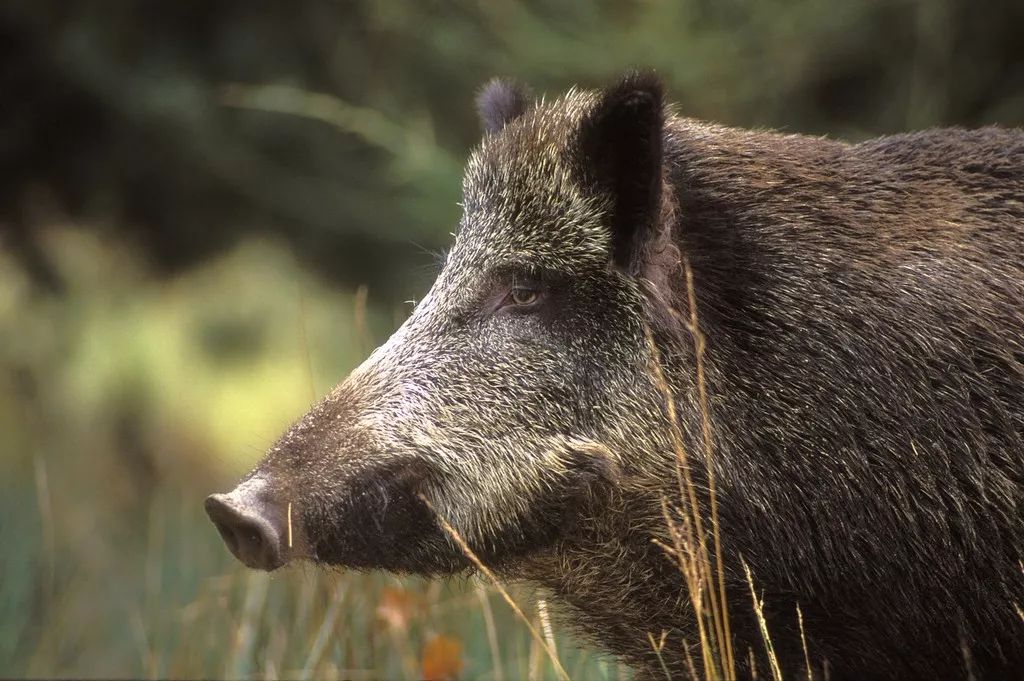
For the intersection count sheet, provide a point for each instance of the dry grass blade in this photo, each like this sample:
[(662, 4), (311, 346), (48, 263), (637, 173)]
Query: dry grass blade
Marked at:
[(694, 561), (803, 643), (473, 558), (492, 633), (689, 554), (545, 624), (705, 578), (690, 666), (687, 490), (247, 632), (705, 420), (759, 611), (657, 646), (323, 634), (289, 524)]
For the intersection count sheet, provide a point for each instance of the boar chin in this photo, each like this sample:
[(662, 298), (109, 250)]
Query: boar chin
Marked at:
[(381, 522)]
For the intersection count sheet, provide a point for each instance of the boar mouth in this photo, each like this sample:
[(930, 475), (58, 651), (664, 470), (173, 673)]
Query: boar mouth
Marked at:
[(381, 522), (375, 519)]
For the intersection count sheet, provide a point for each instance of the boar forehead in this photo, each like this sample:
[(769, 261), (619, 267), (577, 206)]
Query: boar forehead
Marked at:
[(525, 198)]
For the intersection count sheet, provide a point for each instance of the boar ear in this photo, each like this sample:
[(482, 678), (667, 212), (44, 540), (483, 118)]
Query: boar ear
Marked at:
[(501, 101), (621, 147)]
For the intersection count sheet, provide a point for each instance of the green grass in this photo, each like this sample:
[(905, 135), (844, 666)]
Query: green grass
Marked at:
[(127, 401), (181, 608)]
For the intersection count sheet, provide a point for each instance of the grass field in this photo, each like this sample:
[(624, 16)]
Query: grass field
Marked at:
[(127, 400), (182, 608)]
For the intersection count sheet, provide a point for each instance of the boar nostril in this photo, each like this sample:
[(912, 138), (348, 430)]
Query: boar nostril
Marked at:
[(247, 529)]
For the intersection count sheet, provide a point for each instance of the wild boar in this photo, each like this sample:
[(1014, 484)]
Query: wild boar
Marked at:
[(862, 307)]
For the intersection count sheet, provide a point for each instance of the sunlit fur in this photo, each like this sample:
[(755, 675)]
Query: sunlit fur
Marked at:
[(864, 311)]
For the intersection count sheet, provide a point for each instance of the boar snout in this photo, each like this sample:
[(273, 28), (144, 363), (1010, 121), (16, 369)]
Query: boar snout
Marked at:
[(251, 525)]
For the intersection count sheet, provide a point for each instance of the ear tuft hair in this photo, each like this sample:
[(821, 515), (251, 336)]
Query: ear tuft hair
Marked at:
[(621, 143), (501, 101), (635, 88)]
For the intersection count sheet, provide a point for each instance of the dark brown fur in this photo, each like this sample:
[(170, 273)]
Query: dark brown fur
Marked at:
[(864, 310)]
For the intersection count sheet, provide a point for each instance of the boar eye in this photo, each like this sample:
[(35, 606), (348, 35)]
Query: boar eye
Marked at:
[(520, 298)]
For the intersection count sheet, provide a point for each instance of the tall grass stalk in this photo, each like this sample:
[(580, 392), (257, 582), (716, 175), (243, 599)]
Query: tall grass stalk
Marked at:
[(492, 633), (658, 646), (688, 543), (545, 624), (464, 547), (759, 611), (239, 661), (324, 634), (705, 420), (803, 643), (704, 575)]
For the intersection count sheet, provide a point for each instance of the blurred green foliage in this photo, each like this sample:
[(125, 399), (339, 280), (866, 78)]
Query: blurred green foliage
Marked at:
[(126, 400), (121, 112), (211, 210)]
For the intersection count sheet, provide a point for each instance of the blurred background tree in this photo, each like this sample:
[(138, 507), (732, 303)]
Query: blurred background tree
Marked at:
[(121, 112), (211, 210)]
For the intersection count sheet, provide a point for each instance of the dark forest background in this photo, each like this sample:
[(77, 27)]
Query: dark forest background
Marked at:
[(123, 113), (211, 210)]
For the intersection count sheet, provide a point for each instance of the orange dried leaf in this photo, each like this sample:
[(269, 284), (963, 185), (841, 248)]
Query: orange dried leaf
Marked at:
[(442, 658), (396, 607)]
